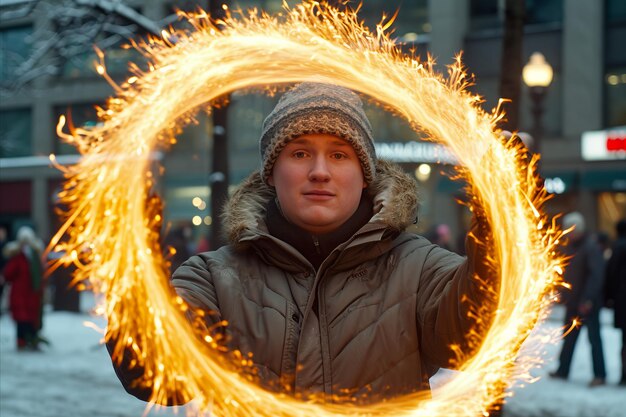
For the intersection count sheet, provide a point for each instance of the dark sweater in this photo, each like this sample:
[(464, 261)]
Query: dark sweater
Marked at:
[(316, 248)]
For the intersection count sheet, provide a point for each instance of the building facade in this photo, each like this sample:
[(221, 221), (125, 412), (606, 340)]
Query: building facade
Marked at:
[(583, 146)]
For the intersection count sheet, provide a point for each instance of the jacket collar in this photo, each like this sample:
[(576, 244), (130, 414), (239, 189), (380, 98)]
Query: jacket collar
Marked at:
[(394, 194)]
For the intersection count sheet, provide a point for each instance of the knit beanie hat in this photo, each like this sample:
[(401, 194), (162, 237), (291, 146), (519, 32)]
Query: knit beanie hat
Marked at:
[(312, 108)]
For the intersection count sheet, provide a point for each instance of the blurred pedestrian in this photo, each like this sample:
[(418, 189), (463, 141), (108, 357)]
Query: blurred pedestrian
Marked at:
[(204, 244), (24, 271), (3, 261), (440, 235), (604, 240), (616, 287), (585, 274)]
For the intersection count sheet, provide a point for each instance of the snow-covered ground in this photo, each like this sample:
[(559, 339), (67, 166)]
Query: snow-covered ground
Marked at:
[(74, 377), (573, 398)]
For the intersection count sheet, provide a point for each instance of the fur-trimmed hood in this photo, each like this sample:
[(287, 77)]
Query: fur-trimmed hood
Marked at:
[(394, 194)]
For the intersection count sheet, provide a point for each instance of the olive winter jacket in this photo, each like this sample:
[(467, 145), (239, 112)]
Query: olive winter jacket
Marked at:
[(377, 318)]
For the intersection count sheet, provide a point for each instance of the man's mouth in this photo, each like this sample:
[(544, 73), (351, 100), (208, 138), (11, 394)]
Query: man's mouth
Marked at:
[(319, 192)]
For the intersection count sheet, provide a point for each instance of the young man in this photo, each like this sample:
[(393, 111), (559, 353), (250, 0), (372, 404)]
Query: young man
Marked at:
[(320, 283)]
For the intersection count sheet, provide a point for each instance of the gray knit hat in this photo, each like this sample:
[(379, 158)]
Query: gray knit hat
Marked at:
[(318, 108)]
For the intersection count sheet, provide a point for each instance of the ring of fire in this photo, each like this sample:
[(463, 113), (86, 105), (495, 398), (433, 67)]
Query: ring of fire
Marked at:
[(111, 232)]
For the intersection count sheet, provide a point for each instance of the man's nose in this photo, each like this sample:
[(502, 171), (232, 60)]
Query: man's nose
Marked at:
[(319, 169)]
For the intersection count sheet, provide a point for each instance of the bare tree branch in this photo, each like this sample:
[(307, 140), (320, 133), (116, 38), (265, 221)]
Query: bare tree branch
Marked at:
[(76, 26), (124, 11), (22, 9)]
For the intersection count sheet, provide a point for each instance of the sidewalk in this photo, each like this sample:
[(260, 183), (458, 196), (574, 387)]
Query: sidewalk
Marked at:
[(74, 377), (573, 398), (71, 378)]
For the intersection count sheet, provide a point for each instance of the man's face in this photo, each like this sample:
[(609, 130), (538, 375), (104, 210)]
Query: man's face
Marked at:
[(319, 181)]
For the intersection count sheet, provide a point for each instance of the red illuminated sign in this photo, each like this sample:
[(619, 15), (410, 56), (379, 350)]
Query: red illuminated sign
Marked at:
[(604, 145), (615, 143)]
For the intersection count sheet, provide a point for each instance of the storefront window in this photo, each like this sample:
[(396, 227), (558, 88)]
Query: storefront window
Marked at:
[(14, 49), (186, 196), (611, 209), (15, 133), (187, 206)]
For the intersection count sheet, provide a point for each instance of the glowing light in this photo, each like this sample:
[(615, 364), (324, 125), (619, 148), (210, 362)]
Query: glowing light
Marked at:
[(196, 201), (410, 37), (208, 220), (537, 72), (311, 42), (197, 220), (422, 172), (424, 169)]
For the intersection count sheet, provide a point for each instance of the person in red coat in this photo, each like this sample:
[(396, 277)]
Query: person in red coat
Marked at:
[(24, 271)]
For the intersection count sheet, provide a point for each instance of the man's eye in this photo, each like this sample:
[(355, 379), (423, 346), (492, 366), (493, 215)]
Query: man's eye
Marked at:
[(299, 154), (339, 155)]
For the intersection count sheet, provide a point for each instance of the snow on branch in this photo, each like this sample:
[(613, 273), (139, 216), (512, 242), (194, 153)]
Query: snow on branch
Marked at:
[(71, 30)]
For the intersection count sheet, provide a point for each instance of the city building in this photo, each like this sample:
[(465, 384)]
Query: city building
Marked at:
[(583, 127)]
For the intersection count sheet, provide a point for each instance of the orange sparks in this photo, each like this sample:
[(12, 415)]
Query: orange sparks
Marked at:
[(112, 225), (575, 323)]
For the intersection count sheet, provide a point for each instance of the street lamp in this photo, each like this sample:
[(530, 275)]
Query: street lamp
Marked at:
[(537, 75)]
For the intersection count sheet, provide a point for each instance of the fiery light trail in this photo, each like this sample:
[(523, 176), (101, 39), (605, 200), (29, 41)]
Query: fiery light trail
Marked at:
[(111, 233)]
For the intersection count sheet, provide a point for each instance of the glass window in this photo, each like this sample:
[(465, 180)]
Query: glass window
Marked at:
[(81, 115), (387, 126), (615, 11), (245, 120), (269, 6), (15, 133), (412, 18), (484, 14), (195, 139), (615, 87), (113, 39), (15, 47), (544, 11), (488, 14), (615, 63), (116, 60)]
